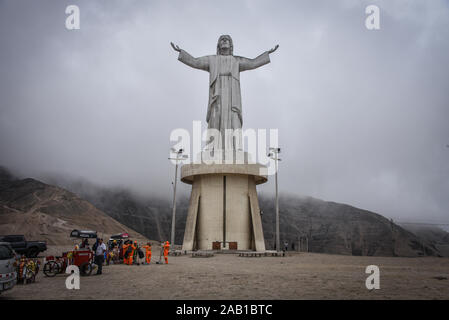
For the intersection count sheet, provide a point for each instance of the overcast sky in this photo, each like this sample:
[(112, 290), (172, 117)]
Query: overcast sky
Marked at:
[(362, 115)]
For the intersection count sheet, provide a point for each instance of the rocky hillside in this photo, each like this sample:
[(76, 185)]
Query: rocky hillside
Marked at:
[(331, 227), (431, 236), (45, 212), (328, 227)]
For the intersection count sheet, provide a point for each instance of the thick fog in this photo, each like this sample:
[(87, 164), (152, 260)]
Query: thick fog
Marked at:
[(362, 114)]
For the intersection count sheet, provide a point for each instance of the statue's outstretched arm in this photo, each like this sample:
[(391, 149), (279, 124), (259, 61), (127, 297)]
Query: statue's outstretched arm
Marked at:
[(201, 63), (249, 64), (274, 49), (175, 47)]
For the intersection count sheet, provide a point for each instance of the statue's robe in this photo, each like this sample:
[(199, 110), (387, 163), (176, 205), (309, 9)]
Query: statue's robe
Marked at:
[(224, 109)]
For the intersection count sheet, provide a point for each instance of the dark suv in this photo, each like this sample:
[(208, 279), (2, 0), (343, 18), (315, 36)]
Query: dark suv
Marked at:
[(29, 248)]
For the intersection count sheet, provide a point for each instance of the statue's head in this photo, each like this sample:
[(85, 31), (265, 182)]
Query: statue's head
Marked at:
[(225, 46)]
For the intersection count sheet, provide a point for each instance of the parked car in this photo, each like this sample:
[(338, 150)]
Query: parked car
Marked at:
[(8, 274), (20, 245)]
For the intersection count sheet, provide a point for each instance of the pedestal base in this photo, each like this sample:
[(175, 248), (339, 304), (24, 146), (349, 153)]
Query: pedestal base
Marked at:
[(224, 210)]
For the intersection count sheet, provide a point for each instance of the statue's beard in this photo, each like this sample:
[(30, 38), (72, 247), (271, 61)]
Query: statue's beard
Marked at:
[(225, 51)]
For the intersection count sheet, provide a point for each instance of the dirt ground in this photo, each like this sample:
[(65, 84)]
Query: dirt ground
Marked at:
[(227, 276)]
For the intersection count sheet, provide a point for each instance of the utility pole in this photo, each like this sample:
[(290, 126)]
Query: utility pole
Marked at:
[(273, 154), (179, 156)]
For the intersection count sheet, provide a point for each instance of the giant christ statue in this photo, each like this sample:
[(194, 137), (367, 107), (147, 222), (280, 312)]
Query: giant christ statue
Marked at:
[(224, 110)]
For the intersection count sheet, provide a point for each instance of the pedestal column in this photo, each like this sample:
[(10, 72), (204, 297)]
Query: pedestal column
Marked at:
[(224, 210)]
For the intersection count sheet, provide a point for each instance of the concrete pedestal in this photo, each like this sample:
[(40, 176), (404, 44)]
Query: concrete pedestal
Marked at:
[(224, 210)]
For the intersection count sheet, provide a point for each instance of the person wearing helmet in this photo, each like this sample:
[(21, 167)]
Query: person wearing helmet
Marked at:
[(166, 249), (147, 248), (125, 253), (138, 254), (133, 252)]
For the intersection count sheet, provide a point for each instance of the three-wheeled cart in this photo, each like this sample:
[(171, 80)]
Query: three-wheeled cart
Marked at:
[(82, 258)]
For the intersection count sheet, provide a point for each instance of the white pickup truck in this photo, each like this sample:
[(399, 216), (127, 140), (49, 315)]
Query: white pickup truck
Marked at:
[(8, 275)]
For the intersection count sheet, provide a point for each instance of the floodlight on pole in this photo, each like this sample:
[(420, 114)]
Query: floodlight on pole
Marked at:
[(273, 154), (179, 157)]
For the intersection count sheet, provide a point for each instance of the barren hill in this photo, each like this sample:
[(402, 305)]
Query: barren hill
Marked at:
[(45, 212), (432, 235), (330, 227)]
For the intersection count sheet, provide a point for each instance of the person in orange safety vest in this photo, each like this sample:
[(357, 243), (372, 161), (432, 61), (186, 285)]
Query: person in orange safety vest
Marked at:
[(131, 256), (125, 258), (147, 253), (166, 249)]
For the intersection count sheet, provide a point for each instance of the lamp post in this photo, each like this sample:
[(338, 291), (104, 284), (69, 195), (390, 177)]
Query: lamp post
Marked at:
[(179, 156), (273, 154)]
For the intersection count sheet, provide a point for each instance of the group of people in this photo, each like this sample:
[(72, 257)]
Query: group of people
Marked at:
[(129, 251), (132, 253)]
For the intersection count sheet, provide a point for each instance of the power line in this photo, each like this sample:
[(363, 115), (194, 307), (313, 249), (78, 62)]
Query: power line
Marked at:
[(423, 223)]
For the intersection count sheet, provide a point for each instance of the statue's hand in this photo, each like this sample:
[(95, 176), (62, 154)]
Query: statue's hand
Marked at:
[(274, 49), (175, 47)]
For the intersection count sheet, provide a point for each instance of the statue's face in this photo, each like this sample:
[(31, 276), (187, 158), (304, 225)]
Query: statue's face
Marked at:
[(224, 45)]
